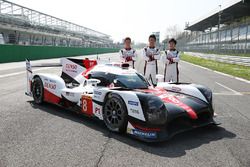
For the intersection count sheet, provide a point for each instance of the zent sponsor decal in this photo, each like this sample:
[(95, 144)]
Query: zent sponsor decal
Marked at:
[(134, 111), (133, 103)]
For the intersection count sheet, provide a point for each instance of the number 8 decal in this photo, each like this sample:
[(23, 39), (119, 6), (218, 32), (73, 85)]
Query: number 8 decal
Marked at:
[(84, 105), (87, 106)]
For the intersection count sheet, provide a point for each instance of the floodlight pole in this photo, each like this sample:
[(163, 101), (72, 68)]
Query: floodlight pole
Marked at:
[(219, 21)]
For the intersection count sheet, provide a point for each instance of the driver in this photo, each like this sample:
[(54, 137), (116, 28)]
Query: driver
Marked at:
[(171, 59), (151, 54), (127, 54)]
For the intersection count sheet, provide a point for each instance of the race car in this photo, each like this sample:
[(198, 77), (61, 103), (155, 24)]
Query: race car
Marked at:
[(123, 98)]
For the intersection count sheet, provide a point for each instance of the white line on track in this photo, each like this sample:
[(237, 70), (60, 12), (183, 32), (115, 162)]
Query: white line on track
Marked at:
[(226, 94), (22, 72), (224, 86)]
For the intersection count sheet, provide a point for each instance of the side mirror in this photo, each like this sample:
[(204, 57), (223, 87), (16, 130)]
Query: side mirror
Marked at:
[(93, 82), (117, 83)]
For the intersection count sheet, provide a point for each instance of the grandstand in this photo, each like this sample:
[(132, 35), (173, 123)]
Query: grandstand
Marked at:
[(225, 30), (24, 26)]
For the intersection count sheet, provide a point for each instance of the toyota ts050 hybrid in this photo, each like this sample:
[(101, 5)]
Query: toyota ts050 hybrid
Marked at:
[(123, 98)]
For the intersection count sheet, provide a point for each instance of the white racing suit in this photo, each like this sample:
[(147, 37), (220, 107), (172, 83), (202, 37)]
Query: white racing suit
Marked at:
[(128, 56), (151, 55), (171, 71)]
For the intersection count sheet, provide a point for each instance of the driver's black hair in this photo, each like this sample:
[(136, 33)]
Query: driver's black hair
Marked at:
[(172, 40), (152, 36), (127, 38)]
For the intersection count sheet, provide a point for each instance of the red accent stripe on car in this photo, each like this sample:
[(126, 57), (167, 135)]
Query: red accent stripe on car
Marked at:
[(163, 94), (145, 128), (50, 97), (156, 91), (85, 73), (174, 100), (89, 65)]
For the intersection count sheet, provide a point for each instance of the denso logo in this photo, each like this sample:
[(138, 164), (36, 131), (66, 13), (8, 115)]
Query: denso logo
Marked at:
[(71, 66), (50, 85)]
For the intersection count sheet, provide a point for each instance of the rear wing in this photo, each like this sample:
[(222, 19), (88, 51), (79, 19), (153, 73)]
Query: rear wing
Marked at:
[(74, 70), (29, 75)]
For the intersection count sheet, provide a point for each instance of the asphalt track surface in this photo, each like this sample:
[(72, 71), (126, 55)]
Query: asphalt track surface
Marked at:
[(32, 135)]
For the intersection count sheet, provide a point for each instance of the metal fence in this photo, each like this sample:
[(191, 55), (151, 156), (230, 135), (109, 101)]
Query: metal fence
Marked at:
[(230, 39)]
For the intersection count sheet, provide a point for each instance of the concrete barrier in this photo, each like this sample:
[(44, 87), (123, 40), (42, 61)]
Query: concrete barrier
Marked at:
[(14, 53)]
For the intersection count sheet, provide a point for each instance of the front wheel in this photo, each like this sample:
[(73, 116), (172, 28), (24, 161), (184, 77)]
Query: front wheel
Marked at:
[(115, 113), (37, 90)]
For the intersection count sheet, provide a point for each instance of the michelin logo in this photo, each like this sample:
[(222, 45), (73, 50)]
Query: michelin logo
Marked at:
[(150, 135)]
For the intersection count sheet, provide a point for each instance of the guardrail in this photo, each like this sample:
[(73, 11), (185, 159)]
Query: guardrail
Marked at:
[(239, 60), (13, 53)]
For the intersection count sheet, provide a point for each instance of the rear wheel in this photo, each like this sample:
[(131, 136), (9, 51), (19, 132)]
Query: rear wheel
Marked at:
[(37, 90), (115, 113)]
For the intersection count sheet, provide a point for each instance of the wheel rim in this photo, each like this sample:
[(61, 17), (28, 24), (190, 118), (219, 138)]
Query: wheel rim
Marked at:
[(37, 90), (114, 113)]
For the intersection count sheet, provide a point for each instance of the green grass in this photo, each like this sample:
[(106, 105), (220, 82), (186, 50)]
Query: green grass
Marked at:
[(230, 54), (232, 69)]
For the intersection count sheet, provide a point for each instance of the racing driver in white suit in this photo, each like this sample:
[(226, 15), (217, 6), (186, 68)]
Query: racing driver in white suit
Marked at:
[(127, 54), (151, 54), (171, 59)]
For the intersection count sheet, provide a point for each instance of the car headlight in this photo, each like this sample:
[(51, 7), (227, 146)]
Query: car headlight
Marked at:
[(206, 92), (156, 111)]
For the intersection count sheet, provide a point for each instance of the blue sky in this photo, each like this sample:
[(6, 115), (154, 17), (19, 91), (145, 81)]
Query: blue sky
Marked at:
[(134, 18)]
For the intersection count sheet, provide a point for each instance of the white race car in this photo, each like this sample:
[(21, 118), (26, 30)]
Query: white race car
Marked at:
[(123, 98)]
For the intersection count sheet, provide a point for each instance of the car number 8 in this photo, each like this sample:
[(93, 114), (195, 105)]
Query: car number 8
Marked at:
[(84, 105)]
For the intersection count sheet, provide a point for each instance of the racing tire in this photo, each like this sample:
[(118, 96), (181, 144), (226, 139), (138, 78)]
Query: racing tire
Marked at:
[(37, 90), (115, 113)]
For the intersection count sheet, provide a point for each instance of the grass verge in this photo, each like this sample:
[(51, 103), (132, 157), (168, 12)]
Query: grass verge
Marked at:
[(232, 69), (223, 54)]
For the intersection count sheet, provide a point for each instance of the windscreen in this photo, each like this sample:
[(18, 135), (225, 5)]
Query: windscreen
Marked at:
[(131, 81)]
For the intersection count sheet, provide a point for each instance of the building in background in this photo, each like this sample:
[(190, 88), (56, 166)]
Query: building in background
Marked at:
[(157, 34), (226, 30), (24, 26)]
